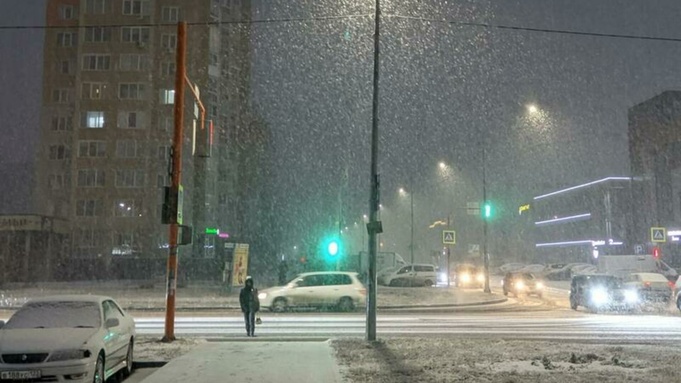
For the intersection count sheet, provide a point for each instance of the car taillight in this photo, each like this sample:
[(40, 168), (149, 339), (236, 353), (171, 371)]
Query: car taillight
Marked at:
[(646, 284), (363, 291), (671, 285)]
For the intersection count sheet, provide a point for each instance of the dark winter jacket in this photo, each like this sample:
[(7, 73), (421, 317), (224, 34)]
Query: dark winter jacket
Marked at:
[(248, 298)]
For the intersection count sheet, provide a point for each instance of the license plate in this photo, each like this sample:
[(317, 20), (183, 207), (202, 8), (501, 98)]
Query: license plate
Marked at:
[(18, 375)]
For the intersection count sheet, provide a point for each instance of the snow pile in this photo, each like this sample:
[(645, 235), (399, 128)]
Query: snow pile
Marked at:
[(151, 349), (489, 360)]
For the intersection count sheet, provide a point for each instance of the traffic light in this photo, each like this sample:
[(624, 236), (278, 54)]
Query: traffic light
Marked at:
[(656, 252), (331, 248), (487, 210)]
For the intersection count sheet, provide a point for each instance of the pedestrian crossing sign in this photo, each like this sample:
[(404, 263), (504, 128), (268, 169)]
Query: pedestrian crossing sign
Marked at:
[(658, 234), (449, 237)]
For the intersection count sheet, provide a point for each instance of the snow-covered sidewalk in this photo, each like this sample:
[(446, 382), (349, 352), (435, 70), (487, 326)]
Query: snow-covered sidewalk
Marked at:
[(488, 360), (138, 296)]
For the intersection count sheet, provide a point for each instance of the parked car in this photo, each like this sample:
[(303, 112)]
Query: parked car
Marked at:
[(677, 292), (382, 275), (467, 275), (651, 287), (78, 338), (338, 289), (522, 283), (413, 275), (600, 291)]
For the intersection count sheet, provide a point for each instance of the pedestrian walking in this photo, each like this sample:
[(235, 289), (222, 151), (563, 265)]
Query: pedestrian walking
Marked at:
[(250, 305)]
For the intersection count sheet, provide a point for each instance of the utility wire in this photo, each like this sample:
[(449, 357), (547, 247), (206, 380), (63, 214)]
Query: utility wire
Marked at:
[(342, 17), (543, 30)]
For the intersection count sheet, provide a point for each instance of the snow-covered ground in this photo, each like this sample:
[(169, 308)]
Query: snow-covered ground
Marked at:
[(487, 360), (476, 360)]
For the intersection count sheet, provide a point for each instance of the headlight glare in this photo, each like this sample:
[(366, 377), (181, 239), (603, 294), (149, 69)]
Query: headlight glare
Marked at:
[(631, 296), (465, 277), (599, 296), (520, 285), (262, 295), (481, 277), (539, 285)]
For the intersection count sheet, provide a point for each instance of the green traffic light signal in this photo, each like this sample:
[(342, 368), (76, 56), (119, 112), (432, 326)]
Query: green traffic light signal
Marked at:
[(487, 210), (332, 249)]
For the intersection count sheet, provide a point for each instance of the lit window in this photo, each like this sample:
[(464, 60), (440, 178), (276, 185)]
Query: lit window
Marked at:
[(167, 96), (125, 208), (94, 119), (93, 90)]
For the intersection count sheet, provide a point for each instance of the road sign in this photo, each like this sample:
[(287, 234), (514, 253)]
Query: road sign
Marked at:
[(449, 237), (638, 249), (658, 234), (474, 250)]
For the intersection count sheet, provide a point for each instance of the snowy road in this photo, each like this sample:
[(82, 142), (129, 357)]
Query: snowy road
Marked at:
[(549, 325)]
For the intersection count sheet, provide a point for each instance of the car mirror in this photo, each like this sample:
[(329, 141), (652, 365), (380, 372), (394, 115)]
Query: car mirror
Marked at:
[(112, 322), (2, 323)]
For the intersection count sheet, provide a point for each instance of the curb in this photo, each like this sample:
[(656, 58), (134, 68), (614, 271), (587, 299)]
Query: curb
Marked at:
[(269, 339), (445, 305)]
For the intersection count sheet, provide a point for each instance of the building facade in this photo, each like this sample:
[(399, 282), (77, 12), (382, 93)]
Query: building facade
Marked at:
[(655, 154), (107, 126), (581, 222)]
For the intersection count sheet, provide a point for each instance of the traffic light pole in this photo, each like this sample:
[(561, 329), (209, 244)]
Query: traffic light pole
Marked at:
[(374, 225), (485, 255)]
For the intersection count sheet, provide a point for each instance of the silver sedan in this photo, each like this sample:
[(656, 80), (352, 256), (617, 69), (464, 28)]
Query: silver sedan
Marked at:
[(76, 338)]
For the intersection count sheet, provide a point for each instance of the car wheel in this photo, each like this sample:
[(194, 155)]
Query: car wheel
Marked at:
[(99, 369), (393, 283), (345, 304), (127, 371), (428, 283), (279, 305)]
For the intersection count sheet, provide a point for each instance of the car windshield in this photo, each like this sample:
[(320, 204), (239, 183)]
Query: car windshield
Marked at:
[(62, 314)]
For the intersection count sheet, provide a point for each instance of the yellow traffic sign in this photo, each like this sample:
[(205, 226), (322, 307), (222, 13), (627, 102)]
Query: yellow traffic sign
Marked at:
[(449, 237)]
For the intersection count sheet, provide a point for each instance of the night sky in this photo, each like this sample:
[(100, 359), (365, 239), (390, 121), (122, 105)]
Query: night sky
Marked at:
[(446, 91)]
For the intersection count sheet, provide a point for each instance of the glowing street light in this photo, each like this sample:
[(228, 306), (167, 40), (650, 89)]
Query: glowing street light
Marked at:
[(532, 109)]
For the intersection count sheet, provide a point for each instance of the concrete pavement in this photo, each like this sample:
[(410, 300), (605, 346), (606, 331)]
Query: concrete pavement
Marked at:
[(252, 360)]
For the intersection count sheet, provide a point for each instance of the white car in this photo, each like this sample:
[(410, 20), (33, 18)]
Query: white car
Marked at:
[(413, 275), (650, 286), (339, 289), (69, 338)]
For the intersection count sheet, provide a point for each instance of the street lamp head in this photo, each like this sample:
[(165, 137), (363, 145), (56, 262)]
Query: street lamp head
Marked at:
[(443, 166), (532, 109)]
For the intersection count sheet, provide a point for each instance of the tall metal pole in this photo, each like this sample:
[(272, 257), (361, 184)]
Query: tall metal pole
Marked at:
[(484, 221), (171, 285), (373, 202)]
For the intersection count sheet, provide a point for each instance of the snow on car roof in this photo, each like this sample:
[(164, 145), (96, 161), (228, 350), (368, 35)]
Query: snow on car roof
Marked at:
[(327, 272), (652, 276), (71, 298)]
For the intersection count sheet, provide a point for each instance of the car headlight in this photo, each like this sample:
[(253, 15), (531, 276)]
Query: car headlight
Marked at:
[(599, 296), (520, 285), (539, 285), (631, 296), (443, 277), (262, 295), (480, 278), (61, 355), (465, 277)]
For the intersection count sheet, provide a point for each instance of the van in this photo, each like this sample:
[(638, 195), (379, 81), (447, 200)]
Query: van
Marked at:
[(413, 275)]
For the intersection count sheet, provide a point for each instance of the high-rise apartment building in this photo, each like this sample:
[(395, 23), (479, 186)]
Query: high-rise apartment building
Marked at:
[(107, 125)]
